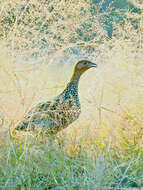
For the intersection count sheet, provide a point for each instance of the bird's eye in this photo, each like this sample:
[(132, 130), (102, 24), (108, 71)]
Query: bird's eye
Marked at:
[(85, 63)]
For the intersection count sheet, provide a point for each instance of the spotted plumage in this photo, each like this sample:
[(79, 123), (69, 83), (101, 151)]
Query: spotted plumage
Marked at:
[(53, 116)]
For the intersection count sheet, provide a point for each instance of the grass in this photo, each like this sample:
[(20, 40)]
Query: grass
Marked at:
[(28, 164), (103, 149)]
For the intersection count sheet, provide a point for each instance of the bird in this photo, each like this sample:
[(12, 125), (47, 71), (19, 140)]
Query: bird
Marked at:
[(56, 115)]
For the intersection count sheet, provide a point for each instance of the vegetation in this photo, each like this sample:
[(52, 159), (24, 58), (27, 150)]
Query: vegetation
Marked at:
[(39, 41)]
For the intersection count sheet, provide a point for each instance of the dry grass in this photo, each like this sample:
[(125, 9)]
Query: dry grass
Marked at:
[(110, 107)]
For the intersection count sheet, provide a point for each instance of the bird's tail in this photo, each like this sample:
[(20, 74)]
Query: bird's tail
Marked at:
[(22, 126)]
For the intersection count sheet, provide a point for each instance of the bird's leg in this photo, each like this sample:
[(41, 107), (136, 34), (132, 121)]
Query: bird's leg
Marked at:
[(60, 141), (51, 140), (40, 137)]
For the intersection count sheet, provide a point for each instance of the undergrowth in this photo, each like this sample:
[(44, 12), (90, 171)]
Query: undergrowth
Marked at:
[(29, 164)]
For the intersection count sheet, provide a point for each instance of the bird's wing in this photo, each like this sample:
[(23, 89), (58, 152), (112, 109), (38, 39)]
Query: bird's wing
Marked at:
[(39, 108)]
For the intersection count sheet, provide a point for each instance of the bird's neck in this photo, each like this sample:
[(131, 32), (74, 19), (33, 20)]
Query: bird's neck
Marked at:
[(71, 91), (73, 84)]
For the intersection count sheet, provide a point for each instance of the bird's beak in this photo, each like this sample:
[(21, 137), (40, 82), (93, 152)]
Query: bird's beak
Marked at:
[(93, 65)]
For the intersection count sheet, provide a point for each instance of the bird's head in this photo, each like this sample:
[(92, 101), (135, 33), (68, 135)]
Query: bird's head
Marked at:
[(84, 65)]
